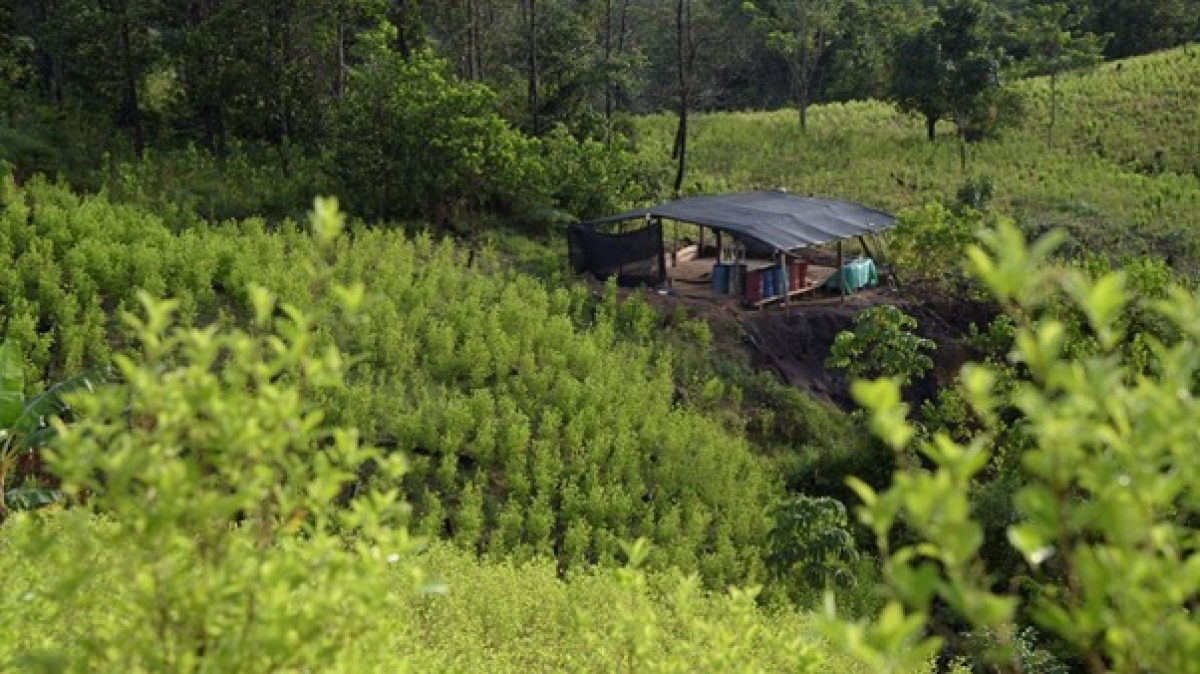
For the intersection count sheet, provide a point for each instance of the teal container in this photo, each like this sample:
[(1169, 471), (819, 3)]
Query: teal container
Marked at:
[(855, 274)]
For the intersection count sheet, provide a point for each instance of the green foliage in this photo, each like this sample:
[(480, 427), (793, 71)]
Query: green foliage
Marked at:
[(25, 429), (1120, 177), (447, 156), (976, 193), (217, 481), (950, 68), (800, 32), (224, 516), (810, 542), (929, 241), (1106, 517), (495, 616), (410, 139), (587, 178), (508, 396), (189, 184), (882, 344)]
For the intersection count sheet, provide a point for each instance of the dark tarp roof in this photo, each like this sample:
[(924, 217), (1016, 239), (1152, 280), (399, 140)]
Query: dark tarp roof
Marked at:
[(777, 219)]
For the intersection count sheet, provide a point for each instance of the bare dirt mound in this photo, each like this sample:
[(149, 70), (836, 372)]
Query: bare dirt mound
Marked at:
[(794, 341)]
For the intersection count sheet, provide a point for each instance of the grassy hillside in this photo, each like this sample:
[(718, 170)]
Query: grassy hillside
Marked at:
[(1122, 172)]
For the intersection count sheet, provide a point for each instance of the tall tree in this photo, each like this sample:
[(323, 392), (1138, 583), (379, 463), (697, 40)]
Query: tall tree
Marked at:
[(950, 68), (685, 54), (531, 26), (1141, 26), (1056, 44), (918, 77), (612, 39), (16, 51), (801, 31)]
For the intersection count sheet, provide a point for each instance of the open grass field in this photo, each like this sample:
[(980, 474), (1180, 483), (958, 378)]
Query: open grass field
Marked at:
[(1121, 171)]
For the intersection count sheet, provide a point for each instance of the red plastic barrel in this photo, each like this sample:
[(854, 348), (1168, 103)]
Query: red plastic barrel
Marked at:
[(754, 285), (797, 274)]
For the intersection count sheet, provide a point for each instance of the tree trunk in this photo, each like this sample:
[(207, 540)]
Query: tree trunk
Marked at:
[(803, 104), (131, 106), (931, 126), (680, 150), (534, 103), (340, 77), (409, 29), (606, 39), (476, 37), (803, 69), (622, 29)]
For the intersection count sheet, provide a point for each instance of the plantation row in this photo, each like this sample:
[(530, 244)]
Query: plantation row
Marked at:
[(499, 616), (538, 422)]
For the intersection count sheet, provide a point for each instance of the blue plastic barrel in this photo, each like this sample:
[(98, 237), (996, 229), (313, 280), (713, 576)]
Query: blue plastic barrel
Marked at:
[(769, 287), (720, 279)]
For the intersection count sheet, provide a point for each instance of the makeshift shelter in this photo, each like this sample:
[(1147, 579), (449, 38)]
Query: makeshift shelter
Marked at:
[(774, 225)]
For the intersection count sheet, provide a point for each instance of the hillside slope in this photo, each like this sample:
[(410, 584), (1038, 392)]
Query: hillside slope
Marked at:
[(1121, 174)]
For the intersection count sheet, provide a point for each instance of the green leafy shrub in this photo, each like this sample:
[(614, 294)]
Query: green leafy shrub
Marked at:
[(1107, 514), (882, 344), (216, 482), (810, 543), (188, 184), (410, 139), (929, 241), (589, 178)]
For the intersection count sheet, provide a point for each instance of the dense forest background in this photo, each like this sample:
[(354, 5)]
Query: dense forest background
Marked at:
[(451, 97)]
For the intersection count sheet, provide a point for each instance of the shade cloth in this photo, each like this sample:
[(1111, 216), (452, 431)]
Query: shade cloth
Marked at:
[(779, 220)]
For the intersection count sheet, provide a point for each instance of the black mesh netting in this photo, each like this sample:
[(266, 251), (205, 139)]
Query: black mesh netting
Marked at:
[(635, 258)]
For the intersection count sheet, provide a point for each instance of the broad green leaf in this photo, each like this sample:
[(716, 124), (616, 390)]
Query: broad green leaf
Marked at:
[(12, 385), (53, 402)]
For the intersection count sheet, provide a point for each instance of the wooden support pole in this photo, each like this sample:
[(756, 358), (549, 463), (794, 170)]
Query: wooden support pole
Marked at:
[(884, 258), (675, 243), (785, 277), (862, 240), (841, 274), (662, 259)]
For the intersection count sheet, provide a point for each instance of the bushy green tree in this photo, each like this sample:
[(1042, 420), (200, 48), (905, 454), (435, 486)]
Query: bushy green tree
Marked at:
[(882, 344), (811, 545), (1056, 45), (949, 68), (1107, 516), (929, 241), (411, 139), (801, 31)]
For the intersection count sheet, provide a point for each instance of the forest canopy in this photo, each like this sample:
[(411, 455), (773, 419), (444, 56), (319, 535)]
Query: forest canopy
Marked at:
[(288, 82)]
